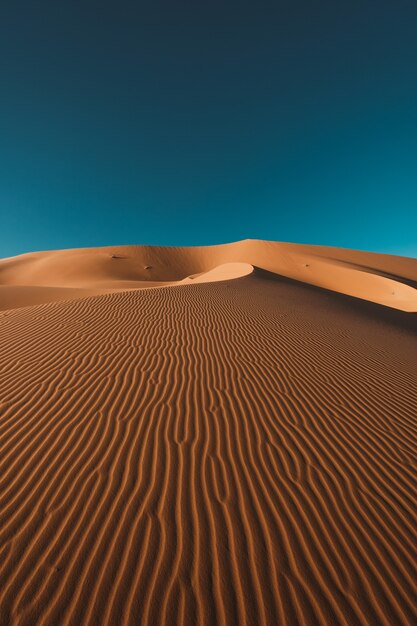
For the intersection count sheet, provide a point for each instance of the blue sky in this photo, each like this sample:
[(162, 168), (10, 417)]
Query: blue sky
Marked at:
[(199, 123)]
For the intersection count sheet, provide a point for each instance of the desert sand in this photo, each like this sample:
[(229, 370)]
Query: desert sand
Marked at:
[(208, 435)]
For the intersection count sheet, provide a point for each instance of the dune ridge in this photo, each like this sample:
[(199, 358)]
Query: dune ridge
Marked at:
[(384, 279), (239, 449)]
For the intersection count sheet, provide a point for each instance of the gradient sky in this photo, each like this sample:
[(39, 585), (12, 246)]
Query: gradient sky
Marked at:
[(194, 123)]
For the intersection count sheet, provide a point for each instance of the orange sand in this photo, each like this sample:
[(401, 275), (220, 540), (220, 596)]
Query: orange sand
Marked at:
[(235, 446)]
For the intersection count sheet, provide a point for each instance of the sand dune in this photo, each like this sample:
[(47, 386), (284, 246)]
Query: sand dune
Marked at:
[(16, 296), (226, 271), (240, 448), (380, 278)]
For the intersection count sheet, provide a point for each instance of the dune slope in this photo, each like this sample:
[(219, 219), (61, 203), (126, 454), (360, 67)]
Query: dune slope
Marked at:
[(231, 452), (384, 279)]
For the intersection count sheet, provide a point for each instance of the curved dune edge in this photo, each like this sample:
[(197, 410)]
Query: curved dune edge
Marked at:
[(226, 271), (238, 452), (383, 279), (343, 278)]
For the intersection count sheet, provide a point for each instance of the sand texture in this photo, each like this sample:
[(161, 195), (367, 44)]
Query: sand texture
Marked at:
[(235, 446)]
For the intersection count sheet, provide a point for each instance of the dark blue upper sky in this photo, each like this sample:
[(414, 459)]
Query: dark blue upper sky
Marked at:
[(193, 123)]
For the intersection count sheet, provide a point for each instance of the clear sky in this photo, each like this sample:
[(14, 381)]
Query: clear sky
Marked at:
[(192, 123)]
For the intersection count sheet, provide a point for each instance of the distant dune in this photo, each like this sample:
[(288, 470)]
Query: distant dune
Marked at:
[(208, 435), (380, 278)]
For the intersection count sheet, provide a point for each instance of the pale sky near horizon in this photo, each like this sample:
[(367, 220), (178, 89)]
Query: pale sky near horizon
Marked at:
[(194, 124)]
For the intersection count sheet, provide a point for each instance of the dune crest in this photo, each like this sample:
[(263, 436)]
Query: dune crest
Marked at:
[(226, 271), (379, 278)]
